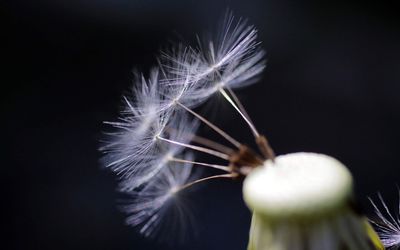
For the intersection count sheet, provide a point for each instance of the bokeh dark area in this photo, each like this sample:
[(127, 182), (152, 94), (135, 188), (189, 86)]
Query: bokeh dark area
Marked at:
[(332, 86)]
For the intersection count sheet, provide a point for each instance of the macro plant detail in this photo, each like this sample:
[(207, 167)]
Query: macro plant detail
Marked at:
[(299, 201), (387, 224)]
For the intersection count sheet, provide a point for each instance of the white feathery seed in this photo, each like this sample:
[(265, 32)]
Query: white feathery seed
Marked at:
[(234, 42), (388, 226), (151, 163), (149, 149), (149, 204), (178, 66), (232, 59), (143, 119)]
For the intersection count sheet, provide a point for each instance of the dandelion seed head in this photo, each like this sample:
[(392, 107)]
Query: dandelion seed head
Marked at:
[(304, 201), (149, 148)]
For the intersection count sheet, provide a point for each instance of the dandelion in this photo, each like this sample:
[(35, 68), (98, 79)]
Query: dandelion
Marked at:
[(299, 201), (305, 201), (388, 226)]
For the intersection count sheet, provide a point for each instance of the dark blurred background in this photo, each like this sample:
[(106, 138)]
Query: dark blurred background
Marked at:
[(332, 86)]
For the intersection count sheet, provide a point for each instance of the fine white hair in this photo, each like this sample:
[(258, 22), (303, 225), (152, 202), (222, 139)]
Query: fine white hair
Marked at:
[(388, 226), (232, 59), (140, 122), (148, 205), (178, 65), (150, 164), (147, 150)]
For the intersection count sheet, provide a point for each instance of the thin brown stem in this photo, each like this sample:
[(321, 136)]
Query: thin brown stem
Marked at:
[(239, 103), (261, 140), (197, 148), (178, 189), (249, 123), (220, 167), (212, 144), (212, 126), (204, 141), (265, 148)]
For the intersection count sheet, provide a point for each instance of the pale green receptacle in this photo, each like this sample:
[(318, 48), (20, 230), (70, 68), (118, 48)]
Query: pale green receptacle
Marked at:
[(304, 201)]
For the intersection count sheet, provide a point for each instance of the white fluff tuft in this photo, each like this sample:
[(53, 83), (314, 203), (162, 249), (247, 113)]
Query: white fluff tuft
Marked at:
[(154, 129), (150, 164), (232, 59), (141, 121), (178, 65), (134, 152), (388, 227), (149, 204)]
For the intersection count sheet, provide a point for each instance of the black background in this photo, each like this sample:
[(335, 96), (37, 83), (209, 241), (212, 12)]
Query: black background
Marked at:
[(331, 86)]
